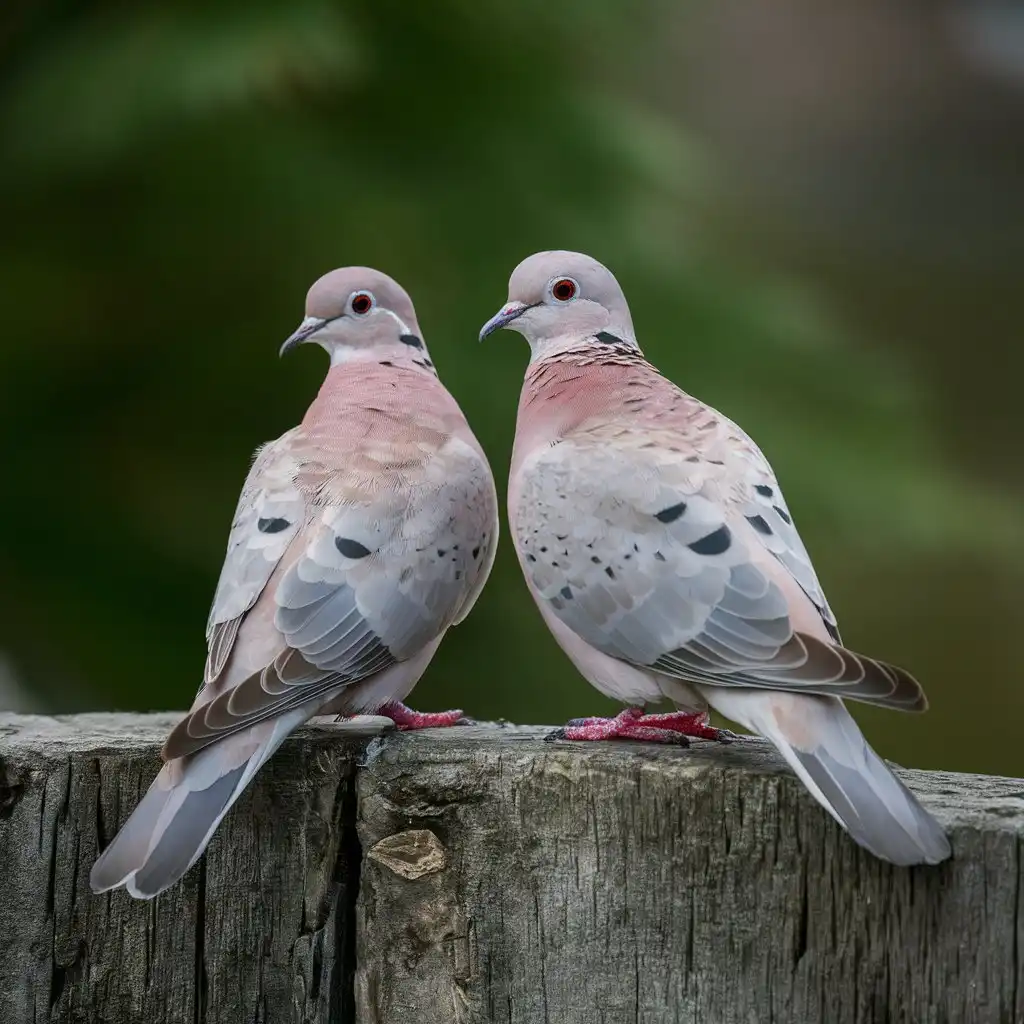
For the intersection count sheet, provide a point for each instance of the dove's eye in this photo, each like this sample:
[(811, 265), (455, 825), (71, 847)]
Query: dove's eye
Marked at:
[(564, 289), (361, 303)]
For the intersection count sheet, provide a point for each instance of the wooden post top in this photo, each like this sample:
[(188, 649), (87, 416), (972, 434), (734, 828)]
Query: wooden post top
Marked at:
[(482, 873)]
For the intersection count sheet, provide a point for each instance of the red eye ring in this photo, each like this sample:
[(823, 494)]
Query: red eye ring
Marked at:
[(362, 303), (564, 289)]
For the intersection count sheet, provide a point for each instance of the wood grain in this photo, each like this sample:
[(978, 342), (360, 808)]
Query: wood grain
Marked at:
[(482, 874)]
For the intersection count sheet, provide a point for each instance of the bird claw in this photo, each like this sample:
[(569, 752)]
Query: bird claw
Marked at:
[(407, 720), (633, 724)]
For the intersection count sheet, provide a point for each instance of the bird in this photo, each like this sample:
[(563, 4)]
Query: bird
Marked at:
[(360, 537), (656, 542)]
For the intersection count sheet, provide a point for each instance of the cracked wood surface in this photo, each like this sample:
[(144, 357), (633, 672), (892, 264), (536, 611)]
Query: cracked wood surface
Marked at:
[(630, 883), (256, 931), (500, 878)]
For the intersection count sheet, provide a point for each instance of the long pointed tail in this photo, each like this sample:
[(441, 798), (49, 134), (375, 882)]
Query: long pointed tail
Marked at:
[(169, 830), (821, 742)]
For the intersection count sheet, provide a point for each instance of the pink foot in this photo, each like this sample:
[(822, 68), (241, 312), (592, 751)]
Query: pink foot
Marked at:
[(407, 720), (633, 724)]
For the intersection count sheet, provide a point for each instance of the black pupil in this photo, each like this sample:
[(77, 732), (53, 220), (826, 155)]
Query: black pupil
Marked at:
[(361, 303), (564, 290)]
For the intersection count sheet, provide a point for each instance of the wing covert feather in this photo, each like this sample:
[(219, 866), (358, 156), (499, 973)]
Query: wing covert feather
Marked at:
[(383, 563), (651, 556)]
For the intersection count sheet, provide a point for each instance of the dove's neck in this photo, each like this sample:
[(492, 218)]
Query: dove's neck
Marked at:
[(568, 345), (386, 388), (411, 353), (570, 387)]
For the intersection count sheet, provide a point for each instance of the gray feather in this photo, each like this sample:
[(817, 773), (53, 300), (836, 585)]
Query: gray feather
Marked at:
[(127, 852), (876, 808), (657, 568), (185, 837), (822, 743)]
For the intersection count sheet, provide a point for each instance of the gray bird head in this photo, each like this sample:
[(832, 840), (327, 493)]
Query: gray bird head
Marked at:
[(354, 309), (558, 299)]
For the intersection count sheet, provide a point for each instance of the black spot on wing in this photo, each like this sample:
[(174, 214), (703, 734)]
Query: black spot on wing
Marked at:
[(714, 543), (411, 340), (764, 490), (759, 524), (607, 338), (672, 513), (274, 524), (351, 548), (566, 592), (782, 514)]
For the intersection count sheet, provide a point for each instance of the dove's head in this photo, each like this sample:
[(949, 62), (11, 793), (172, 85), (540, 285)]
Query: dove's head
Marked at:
[(354, 312), (560, 300)]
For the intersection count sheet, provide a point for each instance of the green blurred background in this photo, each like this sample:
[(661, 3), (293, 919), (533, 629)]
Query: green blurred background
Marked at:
[(817, 215)]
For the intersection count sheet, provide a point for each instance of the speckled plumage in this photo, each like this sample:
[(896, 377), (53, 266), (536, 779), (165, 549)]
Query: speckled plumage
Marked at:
[(661, 552), (360, 537)]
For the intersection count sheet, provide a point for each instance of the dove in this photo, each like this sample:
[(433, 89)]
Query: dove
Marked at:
[(656, 542), (360, 537)]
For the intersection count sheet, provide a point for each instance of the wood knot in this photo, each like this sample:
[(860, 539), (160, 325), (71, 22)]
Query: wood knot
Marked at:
[(411, 854)]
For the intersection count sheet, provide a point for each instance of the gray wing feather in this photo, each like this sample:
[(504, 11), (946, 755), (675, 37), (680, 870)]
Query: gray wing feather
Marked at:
[(374, 582), (270, 512), (654, 566)]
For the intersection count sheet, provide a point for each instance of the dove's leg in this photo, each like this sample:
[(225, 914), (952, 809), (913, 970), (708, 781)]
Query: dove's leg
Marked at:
[(383, 694), (624, 726), (633, 724), (629, 684), (407, 720), (687, 723)]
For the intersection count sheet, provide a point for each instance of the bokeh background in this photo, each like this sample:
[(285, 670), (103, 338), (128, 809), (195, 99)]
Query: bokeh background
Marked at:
[(817, 214)]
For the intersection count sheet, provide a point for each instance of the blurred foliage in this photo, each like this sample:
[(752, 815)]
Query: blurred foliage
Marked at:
[(174, 179)]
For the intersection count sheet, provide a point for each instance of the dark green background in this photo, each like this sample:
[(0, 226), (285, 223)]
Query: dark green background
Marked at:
[(818, 217)]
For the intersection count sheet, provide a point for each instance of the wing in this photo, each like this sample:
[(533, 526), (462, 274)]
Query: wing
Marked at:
[(683, 557), (270, 512), (760, 501), (385, 562)]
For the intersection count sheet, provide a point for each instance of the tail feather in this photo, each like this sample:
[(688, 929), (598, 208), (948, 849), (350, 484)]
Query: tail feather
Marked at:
[(127, 851), (195, 821), (826, 749), (169, 830)]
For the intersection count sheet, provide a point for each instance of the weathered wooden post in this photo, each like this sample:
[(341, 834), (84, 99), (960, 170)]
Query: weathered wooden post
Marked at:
[(260, 930), (481, 874)]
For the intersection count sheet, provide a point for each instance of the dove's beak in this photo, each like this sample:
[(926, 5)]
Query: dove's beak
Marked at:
[(306, 330), (504, 317)]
